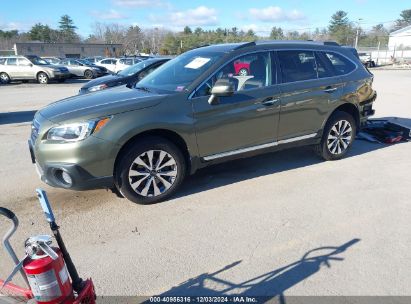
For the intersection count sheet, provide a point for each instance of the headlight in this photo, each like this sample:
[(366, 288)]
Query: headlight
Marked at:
[(97, 87), (76, 131)]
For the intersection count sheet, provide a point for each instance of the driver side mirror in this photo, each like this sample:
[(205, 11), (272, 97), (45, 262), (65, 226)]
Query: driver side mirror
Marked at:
[(219, 90)]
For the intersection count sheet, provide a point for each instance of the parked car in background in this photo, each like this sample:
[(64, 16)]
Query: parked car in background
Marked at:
[(129, 76), (367, 60), (117, 64), (94, 59), (80, 68), (52, 60), (30, 67), (194, 112)]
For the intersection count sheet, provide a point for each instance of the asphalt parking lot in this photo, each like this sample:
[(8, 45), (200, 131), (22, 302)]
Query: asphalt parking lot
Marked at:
[(243, 227)]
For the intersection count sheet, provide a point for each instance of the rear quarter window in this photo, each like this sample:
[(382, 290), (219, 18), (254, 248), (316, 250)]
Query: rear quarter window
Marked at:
[(340, 64), (2, 61)]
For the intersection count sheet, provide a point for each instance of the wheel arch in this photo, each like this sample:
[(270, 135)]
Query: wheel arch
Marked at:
[(348, 108), (45, 72), (172, 136)]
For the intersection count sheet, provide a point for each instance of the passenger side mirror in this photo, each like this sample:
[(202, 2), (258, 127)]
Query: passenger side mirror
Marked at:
[(220, 89)]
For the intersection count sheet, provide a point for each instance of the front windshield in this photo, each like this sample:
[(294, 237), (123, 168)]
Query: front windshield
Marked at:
[(178, 73), (37, 60), (131, 70)]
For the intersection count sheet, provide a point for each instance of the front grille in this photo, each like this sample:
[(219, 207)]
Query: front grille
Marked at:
[(35, 126)]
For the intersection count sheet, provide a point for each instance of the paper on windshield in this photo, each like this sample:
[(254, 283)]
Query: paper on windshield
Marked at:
[(197, 63)]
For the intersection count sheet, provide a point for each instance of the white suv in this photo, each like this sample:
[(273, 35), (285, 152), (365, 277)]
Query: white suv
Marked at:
[(117, 64), (30, 67)]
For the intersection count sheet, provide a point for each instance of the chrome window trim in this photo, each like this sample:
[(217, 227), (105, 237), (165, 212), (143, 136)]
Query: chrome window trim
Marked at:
[(258, 147), (190, 96)]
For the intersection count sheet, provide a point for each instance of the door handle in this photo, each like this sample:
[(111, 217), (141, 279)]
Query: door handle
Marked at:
[(269, 101), (330, 89)]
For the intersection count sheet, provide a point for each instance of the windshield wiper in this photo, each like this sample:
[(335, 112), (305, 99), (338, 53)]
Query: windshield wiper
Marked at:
[(144, 89)]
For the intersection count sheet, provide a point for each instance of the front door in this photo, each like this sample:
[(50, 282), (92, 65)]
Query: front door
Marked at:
[(245, 121)]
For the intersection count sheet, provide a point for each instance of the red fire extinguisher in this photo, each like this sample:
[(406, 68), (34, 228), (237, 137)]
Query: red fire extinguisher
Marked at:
[(46, 271)]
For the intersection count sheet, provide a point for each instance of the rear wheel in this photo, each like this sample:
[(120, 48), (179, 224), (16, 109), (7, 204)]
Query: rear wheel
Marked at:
[(338, 136), (42, 78), (88, 74), (150, 171), (4, 78)]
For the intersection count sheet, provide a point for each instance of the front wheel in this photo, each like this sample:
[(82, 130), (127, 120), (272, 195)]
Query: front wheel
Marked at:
[(88, 74), (42, 78), (338, 136), (150, 171)]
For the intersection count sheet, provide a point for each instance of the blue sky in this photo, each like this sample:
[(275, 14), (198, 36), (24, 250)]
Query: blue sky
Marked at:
[(259, 15)]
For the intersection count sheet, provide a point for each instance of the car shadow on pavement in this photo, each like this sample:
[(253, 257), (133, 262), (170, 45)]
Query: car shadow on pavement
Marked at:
[(247, 168), (16, 117), (270, 285)]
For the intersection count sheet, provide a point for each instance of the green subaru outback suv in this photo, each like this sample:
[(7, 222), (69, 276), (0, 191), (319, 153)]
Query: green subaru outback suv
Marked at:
[(199, 109)]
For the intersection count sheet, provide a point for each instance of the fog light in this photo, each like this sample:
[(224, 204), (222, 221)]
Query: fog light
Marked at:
[(64, 177)]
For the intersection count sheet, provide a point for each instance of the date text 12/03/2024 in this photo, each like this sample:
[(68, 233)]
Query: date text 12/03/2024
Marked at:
[(205, 299)]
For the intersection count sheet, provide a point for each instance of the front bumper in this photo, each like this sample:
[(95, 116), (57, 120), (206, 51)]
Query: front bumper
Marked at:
[(88, 164), (58, 75)]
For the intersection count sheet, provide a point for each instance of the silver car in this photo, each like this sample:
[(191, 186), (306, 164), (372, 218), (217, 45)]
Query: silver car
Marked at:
[(81, 68), (30, 67)]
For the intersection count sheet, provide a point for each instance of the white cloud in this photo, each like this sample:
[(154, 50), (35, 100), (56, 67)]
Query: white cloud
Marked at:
[(109, 15), (199, 16), (139, 3), (275, 13), (20, 26)]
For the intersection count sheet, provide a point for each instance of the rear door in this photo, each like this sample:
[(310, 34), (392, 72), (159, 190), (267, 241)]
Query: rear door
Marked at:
[(245, 121), (309, 90), (12, 68)]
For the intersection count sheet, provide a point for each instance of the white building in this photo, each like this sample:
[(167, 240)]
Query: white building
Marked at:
[(400, 39)]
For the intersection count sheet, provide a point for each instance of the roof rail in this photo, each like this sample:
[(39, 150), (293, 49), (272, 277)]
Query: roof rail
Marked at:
[(246, 44), (331, 43)]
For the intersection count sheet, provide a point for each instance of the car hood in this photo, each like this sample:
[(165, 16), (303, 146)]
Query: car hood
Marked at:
[(105, 79), (98, 104)]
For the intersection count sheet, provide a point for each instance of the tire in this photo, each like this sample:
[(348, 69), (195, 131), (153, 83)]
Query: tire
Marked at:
[(243, 72), (4, 78), (143, 183), (42, 78), (333, 145), (88, 74)]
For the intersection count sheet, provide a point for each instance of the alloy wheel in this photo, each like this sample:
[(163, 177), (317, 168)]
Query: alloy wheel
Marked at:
[(43, 78), (4, 78), (152, 173), (243, 72), (339, 137)]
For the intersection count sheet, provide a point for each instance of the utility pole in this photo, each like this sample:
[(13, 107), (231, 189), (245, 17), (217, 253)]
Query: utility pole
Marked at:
[(358, 33)]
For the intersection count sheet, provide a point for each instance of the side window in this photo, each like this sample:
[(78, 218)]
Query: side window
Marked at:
[(12, 61), (107, 61), (297, 65), (248, 72), (23, 62), (340, 64), (322, 68)]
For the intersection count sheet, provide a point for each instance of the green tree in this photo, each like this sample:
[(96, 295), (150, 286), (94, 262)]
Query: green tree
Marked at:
[(68, 29), (44, 33), (277, 33), (405, 19), (340, 28), (187, 30)]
